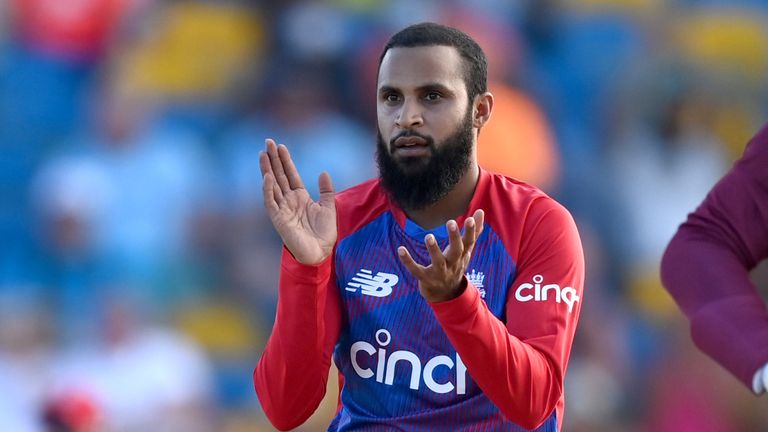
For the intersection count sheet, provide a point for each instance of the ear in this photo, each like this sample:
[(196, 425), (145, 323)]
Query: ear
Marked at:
[(481, 111)]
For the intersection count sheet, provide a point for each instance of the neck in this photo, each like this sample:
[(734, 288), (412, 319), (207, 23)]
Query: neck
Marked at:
[(452, 205)]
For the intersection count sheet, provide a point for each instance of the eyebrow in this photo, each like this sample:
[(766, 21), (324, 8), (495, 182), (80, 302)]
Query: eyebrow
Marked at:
[(421, 89)]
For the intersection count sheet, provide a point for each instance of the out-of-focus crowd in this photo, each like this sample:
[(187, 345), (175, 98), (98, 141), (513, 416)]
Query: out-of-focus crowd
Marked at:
[(138, 271)]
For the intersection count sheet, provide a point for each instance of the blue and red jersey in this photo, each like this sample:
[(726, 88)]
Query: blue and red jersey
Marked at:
[(493, 358)]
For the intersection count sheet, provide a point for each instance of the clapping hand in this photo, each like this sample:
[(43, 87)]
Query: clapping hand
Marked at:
[(443, 278), (307, 227)]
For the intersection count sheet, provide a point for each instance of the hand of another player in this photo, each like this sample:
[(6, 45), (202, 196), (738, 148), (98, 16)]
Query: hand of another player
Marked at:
[(443, 278), (307, 227)]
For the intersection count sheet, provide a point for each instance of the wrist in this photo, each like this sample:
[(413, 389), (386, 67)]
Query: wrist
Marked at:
[(450, 294)]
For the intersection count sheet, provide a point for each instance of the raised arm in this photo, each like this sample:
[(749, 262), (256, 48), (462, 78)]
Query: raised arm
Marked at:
[(519, 365), (291, 376)]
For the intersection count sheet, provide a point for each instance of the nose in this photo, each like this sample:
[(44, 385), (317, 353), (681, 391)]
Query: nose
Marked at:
[(409, 115)]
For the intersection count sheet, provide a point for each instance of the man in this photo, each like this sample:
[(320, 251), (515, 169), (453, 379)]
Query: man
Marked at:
[(431, 328), (706, 268)]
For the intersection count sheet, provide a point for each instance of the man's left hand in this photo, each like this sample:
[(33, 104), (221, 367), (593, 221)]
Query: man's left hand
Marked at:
[(443, 279)]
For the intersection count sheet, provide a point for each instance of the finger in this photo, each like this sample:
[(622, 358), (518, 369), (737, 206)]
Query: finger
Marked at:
[(414, 268), (291, 173), (327, 193), (435, 254), (266, 170), (277, 166), (264, 164), (478, 220), (455, 246), (270, 202), (479, 217), (470, 229)]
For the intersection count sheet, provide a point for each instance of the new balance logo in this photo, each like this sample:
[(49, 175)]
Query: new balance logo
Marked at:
[(379, 285), (477, 279)]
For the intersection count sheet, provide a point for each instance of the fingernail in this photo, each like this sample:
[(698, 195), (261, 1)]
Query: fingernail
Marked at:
[(471, 222), (401, 250), (430, 239)]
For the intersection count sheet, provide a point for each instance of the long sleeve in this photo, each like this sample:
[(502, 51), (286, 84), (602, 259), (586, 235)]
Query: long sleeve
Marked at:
[(706, 265), (521, 365), (291, 375)]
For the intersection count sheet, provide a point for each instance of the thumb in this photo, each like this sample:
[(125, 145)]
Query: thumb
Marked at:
[(326, 190)]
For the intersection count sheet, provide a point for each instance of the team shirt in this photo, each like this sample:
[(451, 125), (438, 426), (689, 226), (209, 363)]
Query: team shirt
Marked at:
[(492, 359)]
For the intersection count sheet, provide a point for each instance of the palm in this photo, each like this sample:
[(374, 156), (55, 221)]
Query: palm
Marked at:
[(307, 227)]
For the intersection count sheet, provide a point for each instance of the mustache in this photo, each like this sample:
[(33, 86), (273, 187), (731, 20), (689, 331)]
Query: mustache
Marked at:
[(409, 134)]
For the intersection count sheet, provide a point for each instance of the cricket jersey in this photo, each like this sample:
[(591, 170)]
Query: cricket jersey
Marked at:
[(492, 359), (706, 265)]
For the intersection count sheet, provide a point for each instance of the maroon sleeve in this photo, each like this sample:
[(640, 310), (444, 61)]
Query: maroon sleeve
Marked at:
[(291, 375), (521, 365), (706, 265)]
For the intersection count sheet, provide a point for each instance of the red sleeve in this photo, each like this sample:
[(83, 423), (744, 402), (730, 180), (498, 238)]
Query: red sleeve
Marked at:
[(521, 365), (291, 375)]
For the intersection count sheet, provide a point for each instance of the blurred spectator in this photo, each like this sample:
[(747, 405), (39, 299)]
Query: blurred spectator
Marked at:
[(45, 68), (326, 41), (665, 166), (596, 362), (55, 48), (72, 412), (26, 357), (76, 29), (664, 159), (300, 108), (142, 376), (128, 190)]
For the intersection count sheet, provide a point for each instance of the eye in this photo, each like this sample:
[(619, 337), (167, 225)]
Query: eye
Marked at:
[(433, 96), (391, 98)]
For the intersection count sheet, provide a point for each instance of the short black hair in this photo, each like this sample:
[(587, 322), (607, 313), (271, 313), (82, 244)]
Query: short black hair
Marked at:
[(432, 34)]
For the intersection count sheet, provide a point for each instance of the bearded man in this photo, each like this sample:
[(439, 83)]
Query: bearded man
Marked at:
[(447, 295)]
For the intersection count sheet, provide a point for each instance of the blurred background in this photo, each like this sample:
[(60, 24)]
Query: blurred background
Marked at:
[(138, 271)]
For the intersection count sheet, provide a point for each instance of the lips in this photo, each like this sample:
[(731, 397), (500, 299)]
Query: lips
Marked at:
[(410, 141)]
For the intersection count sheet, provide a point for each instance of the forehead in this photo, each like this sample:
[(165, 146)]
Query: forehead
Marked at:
[(416, 66)]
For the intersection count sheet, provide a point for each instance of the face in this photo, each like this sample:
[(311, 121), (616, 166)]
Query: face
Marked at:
[(425, 128)]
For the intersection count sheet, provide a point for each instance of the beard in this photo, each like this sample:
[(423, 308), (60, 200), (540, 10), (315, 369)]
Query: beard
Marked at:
[(414, 183)]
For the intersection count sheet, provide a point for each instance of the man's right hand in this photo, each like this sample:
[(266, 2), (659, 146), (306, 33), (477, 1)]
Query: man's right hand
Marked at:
[(308, 228)]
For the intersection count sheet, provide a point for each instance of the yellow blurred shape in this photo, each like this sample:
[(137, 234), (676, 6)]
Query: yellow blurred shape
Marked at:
[(734, 40), (648, 294), (220, 328), (734, 125), (198, 49), (618, 6)]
